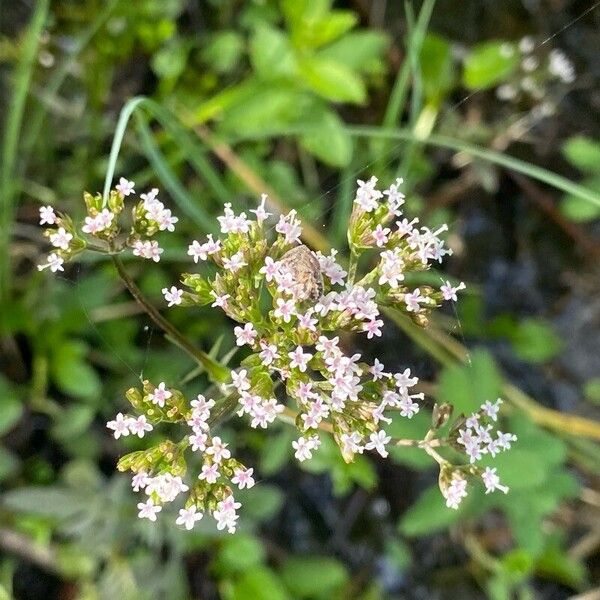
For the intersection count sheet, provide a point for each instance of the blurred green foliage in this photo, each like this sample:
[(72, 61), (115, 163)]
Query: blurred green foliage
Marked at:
[(278, 82)]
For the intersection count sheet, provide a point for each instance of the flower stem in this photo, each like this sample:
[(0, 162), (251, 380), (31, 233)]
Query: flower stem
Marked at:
[(215, 370)]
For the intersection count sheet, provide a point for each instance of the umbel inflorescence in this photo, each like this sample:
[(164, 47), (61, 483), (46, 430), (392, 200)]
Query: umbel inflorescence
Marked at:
[(290, 305)]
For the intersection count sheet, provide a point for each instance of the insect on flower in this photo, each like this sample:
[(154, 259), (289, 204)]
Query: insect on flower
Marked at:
[(305, 270)]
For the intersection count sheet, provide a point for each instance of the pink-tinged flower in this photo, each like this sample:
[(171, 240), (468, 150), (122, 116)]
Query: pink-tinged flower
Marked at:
[(377, 370), (330, 268), (198, 422), (367, 195), (120, 425), (148, 510), (405, 227), (328, 346), (218, 450), (304, 391), (166, 221), (260, 212), (491, 409), (198, 441), (449, 292), (154, 210), (139, 481), (54, 262), (160, 395), (306, 321), (289, 226), (304, 446), (147, 249), (395, 197), (105, 218), (235, 263), (225, 514), (249, 403), (408, 408), (125, 186), (377, 441), (285, 310), (47, 215), (149, 198), (492, 481), (139, 426), (61, 239), (188, 517), (197, 251), (351, 443), (412, 300), (245, 335), (243, 478), (391, 268), (240, 380), (455, 492), (504, 440), (271, 269), (268, 353), (230, 223), (299, 359), (381, 235), (173, 296), (373, 327), (404, 379), (220, 301), (210, 473), (92, 225)]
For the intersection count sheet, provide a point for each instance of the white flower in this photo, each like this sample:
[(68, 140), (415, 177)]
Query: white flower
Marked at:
[(299, 359), (61, 239), (561, 66), (285, 310), (198, 441), (367, 195), (377, 441), (125, 187), (260, 212), (449, 292), (380, 235), (492, 481), (304, 446), (235, 263), (373, 327), (147, 249), (55, 263), (218, 450), (455, 492), (306, 321), (148, 510), (391, 268), (197, 251), (225, 514), (120, 425), (160, 394), (243, 478), (173, 296), (210, 473), (220, 301), (245, 335), (377, 370), (166, 221), (491, 409), (268, 353), (47, 215), (188, 517), (139, 426), (271, 269), (240, 380), (412, 300), (139, 481)]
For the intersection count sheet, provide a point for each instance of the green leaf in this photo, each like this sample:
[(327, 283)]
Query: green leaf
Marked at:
[(535, 341), (332, 80), (271, 53), (517, 564), (468, 386), (361, 51), (46, 501), (591, 390), (261, 503), (11, 407), (327, 29), (487, 65), (430, 513), (437, 67), (224, 50), (576, 208), (313, 576), (583, 153), (71, 371), (276, 451), (329, 142), (414, 428), (259, 583), (556, 564), (9, 463), (239, 553), (73, 421)]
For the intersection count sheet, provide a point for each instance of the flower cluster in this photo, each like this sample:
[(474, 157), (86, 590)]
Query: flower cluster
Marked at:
[(535, 72), (291, 306)]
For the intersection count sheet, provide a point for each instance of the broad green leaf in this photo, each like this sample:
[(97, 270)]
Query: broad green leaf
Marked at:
[(583, 153), (271, 53), (576, 208), (429, 513), (535, 341), (591, 390), (487, 64), (313, 576), (301, 13), (468, 386), (325, 30), (262, 502), (555, 563), (71, 371), (258, 583), (11, 407), (276, 451), (73, 421), (415, 428), (517, 564), (9, 463), (239, 553), (332, 80), (362, 51), (46, 501), (329, 142), (437, 67)]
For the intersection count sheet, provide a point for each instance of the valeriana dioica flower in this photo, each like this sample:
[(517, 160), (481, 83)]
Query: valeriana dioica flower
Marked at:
[(289, 305)]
